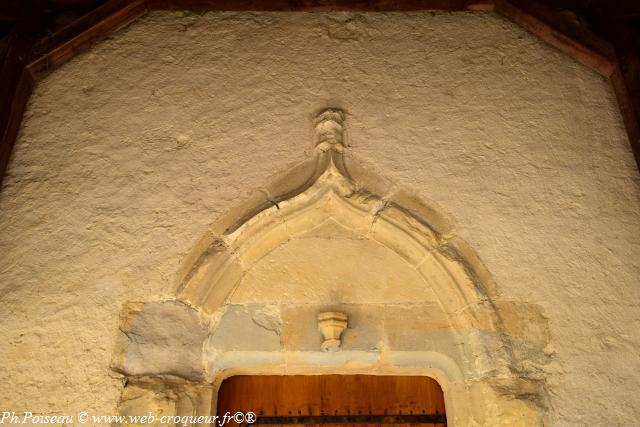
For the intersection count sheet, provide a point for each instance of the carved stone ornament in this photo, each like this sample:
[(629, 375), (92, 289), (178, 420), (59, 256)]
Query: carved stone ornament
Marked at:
[(330, 130), (332, 324)]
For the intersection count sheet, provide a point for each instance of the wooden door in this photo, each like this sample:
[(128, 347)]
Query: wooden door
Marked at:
[(335, 400)]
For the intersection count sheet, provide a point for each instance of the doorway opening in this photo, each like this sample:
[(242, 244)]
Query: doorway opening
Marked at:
[(334, 400)]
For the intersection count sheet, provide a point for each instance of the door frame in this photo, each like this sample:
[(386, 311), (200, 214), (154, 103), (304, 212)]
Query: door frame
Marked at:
[(436, 366)]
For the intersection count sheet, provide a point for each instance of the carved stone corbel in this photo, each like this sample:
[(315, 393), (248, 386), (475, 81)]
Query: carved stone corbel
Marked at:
[(332, 324)]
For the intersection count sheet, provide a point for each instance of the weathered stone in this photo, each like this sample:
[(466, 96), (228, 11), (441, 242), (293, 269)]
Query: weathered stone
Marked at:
[(163, 338), (423, 212), (141, 401), (269, 318), (325, 270), (251, 327), (297, 178), (528, 333), (154, 398), (366, 178), (217, 266), (418, 327)]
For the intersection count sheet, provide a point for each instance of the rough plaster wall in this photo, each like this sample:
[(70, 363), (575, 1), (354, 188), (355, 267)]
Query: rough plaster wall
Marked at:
[(128, 153)]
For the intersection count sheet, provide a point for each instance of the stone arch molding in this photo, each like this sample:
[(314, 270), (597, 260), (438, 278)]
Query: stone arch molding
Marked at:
[(491, 367)]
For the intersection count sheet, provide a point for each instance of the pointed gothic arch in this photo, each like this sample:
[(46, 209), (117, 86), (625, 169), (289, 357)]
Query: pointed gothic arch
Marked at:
[(333, 198), (327, 190)]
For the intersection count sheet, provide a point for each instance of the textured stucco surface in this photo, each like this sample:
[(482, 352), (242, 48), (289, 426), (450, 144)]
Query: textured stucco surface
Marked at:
[(131, 150)]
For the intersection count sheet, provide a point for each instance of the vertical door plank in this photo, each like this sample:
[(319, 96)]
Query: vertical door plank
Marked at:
[(313, 395)]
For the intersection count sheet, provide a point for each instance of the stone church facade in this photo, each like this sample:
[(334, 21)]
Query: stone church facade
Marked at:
[(190, 199)]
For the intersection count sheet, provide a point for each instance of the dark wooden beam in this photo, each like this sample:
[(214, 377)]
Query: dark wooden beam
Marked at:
[(17, 105), (617, 9), (62, 5), (5, 42), (16, 54), (562, 33), (568, 4), (56, 49), (15, 81), (10, 10), (321, 5), (626, 81)]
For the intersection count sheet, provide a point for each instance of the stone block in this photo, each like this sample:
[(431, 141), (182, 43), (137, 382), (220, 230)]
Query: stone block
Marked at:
[(253, 327), (163, 338), (417, 327)]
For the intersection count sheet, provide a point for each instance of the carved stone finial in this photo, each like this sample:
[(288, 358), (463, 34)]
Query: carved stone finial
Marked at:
[(332, 324), (330, 130)]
